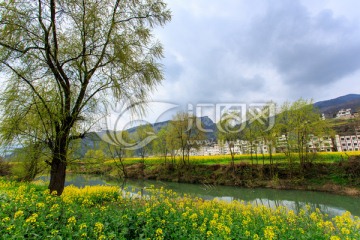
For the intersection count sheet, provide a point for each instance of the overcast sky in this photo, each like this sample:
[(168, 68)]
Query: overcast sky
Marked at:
[(242, 51), (260, 50)]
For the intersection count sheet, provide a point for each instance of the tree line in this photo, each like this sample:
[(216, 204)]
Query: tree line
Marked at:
[(289, 131)]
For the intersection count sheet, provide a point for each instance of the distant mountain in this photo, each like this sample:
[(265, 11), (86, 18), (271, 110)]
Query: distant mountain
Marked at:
[(93, 139), (156, 126), (207, 123), (332, 106)]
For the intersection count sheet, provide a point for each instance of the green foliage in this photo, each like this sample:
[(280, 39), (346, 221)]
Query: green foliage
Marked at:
[(117, 149), (229, 129), (30, 162), (298, 123), (185, 133), (93, 159), (161, 145), (5, 167), (143, 137)]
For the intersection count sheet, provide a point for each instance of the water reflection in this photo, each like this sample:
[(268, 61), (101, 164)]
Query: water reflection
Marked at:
[(327, 203), (330, 204)]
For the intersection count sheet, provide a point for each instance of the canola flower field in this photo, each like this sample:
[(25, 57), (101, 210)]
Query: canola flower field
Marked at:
[(320, 157), (28, 211)]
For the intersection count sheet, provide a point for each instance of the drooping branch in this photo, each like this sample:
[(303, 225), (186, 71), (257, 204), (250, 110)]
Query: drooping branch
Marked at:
[(23, 51), (31, 86), (90, 73), (110, 30)]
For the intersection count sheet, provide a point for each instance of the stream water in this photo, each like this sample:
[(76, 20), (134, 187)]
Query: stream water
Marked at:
[(330, 204)]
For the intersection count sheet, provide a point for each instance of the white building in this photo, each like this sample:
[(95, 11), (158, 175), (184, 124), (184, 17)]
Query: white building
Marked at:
[(240, 147), (348, 143), (320, 144), (344, 113), (315, 144)]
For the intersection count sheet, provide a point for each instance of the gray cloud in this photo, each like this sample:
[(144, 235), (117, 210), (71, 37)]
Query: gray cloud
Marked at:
[(305, 49), (258, 51)]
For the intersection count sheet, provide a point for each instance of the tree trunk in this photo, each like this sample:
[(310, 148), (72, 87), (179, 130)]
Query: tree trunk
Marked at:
[(57, 175), (58, 167)]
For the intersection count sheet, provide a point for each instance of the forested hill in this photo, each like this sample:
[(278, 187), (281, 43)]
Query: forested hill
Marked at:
[(332, 106), (207, 123)]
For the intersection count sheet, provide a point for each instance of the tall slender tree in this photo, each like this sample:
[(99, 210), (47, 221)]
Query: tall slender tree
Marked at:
[(186, 131), (229, 130), (141, 135)]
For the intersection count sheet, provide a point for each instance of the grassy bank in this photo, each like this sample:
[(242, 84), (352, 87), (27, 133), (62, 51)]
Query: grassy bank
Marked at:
[(27, 211)]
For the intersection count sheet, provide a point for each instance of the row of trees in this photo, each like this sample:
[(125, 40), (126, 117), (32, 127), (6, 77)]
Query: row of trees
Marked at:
[(175, 139), (288, 129)]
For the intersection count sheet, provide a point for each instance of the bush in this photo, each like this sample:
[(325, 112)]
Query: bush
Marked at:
[(4, 167)]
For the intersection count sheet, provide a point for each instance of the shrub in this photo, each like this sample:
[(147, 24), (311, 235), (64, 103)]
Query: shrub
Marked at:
[(4, 167)]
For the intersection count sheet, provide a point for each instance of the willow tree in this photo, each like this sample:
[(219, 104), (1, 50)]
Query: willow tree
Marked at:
[(61, 57), (299, 122), (229, 130), (185, 133)]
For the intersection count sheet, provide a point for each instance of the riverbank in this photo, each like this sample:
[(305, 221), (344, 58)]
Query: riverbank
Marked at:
[(338, 178), (104, 212)]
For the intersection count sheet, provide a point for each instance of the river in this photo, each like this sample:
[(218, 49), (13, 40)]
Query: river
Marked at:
[(328, 203)]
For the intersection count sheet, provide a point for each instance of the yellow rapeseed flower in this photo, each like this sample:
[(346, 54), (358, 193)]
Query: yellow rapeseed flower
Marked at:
[(18, 214), (269, 232), (345, 231), (193, 217), (99, 227), (82, 226), (159, 232), (40, 205), (72, 220), (32, 218), (54, 207), (11, 227), (314, 216)]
